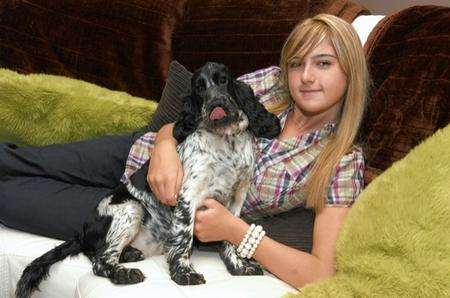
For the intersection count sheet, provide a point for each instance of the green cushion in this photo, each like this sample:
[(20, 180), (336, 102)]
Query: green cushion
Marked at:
[(39, 109), (396, 241)]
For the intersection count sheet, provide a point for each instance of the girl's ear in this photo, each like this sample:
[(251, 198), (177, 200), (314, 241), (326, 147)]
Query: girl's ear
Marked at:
[(262, 124), (189, 118)]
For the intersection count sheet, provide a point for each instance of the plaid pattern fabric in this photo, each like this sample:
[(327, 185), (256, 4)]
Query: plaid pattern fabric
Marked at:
[(282, 167), (139, 154), (265, 85)]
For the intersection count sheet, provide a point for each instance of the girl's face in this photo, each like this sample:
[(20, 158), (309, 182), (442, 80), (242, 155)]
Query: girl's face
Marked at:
[(317, 84)]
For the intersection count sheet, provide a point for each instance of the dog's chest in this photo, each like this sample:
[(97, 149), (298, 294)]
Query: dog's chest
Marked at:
[(215, 165)]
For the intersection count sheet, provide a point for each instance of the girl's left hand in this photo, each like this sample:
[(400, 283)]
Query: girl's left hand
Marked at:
[(213, 222)]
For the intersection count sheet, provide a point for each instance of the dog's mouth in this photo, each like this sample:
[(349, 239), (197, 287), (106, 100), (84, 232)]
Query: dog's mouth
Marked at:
[(218, 113), (223, 120)]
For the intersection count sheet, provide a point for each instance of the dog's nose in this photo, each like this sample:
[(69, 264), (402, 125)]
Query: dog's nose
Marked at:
[(221, 98), (214, 94)]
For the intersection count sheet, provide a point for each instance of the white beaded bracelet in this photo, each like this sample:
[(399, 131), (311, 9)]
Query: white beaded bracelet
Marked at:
[(251, 240), (245, 239), (255, 244)]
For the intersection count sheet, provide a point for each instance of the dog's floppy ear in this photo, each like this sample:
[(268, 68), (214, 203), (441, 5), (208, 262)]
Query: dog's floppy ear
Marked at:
[(189, 118), (262, 124)]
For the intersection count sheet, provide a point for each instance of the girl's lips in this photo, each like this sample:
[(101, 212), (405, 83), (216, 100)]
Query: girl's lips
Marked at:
[(308, 94)]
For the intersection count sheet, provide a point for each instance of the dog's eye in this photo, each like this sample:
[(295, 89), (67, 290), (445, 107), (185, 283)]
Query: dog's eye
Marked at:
[(200, 86), (223, 80)]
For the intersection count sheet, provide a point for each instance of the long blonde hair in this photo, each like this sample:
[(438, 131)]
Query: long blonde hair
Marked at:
[(303, 39)]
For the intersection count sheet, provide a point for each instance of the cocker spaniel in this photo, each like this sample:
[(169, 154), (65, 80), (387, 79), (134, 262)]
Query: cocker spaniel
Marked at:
[(215, 132)]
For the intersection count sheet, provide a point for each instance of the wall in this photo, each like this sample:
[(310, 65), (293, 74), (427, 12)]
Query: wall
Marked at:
[(388, 6)]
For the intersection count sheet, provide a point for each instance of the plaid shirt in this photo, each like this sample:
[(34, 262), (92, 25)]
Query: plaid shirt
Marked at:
[(282, 167)]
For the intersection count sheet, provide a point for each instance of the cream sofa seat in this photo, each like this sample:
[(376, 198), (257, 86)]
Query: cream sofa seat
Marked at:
[(73, 277)]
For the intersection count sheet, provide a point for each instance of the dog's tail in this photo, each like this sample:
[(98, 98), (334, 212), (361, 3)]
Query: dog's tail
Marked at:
[(38, 270)]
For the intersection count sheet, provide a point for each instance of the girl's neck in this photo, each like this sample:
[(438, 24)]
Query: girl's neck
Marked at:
[(305, 123)]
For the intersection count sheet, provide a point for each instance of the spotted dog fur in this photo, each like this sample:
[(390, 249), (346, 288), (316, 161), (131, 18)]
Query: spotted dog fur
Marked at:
[(218, 161)]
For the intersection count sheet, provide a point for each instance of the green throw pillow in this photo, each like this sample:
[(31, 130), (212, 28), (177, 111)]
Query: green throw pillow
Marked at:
[(396, 241), (39, 109)]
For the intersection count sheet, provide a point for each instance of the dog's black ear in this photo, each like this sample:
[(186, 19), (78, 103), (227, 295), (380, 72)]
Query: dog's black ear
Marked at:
[(189, 118), (262, 124)]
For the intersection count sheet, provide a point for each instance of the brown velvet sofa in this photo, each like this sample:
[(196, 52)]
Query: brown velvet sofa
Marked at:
[(128, 45)]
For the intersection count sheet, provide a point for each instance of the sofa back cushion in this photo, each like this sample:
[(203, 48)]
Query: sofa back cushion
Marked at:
[(408, 55), (178, 85), (119, 44), (127, 45), (395, 241), (40, 109), (245, 34)]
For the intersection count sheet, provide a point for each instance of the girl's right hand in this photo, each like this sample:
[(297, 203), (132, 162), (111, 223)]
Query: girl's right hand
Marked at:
[(165, 173)]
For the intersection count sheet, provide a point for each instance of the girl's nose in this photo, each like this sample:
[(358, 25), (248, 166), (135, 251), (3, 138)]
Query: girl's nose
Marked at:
[(307, 74)]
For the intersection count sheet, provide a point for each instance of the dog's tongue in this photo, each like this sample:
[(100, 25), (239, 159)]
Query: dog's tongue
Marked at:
[(217, 113)]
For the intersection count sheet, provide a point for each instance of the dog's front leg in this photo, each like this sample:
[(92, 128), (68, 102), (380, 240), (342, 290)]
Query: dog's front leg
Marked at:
[(179, 245), (235, 264)]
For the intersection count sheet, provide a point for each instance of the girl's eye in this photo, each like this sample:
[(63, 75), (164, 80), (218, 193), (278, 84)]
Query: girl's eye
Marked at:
[(324, 63), (294, 64)]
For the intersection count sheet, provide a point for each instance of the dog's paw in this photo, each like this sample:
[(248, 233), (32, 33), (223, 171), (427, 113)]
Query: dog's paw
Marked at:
[(131, 254), (246, 268), (127, 276), (187, 277)]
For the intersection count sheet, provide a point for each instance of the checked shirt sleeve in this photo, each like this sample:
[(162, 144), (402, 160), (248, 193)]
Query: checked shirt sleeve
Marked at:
[(139, 154), (348, 180), (265, 85)]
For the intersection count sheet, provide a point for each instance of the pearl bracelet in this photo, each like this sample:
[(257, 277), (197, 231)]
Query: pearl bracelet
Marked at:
[(245, 239), (250, 242)]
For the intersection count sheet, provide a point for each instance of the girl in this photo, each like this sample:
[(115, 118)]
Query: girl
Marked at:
[(319, 94)]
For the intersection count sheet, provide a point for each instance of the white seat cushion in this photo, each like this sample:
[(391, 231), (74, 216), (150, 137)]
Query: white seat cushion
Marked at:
[(18, 249), (74, 276), (219, 283)]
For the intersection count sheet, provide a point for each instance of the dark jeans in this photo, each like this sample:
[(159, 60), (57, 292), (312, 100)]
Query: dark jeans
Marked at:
[(50, 190)]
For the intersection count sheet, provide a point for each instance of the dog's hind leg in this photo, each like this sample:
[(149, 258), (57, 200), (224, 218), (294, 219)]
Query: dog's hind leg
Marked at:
[(125, 225), (179, 245)]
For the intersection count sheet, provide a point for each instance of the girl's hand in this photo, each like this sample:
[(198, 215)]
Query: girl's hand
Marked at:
[(213, 222), (165, 173)]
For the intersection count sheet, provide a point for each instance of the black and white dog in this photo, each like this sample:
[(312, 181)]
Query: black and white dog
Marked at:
[(215, 133)]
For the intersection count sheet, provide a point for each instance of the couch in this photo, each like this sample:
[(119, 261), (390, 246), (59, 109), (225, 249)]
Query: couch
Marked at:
[(127, 46)]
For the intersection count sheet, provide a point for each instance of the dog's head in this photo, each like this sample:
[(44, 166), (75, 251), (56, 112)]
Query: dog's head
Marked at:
[(223, 105)]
